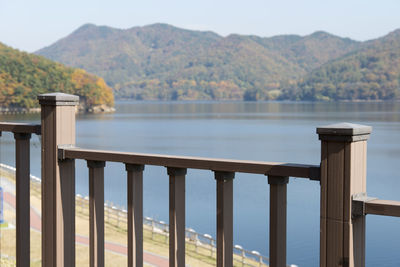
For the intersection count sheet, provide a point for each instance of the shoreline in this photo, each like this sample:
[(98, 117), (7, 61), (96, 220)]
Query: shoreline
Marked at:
[(81, 110), (103, 109), (250, 101)]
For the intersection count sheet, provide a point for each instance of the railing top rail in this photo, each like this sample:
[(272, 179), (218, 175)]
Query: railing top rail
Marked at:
[(20, 127), (257, 167), (363, 205), (383, 207)]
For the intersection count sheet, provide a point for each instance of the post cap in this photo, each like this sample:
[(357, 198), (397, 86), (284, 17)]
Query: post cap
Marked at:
[(344, 132), (224, 176), (58, 99)]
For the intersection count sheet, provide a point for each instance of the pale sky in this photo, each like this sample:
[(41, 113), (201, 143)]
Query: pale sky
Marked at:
[(32, 24)]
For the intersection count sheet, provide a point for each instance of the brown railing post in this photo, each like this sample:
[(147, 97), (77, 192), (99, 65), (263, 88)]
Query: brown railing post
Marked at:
[(176, 216), (343, 174), (135, 214), (224, 218), (277, 220), (22, 163), (96, 212), (58, 193)]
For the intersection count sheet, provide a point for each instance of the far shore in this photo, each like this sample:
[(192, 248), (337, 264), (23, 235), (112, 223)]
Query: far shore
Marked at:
[(99, 109), (80, 109)]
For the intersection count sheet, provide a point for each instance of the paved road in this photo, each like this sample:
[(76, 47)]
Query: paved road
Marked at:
[(36, 224)]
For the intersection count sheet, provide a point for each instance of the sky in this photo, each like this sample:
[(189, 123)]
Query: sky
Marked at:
[(30, 25)]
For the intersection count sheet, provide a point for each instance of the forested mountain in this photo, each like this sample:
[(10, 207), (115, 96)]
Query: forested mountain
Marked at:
[(160, 61), (23, 76), (370, 73)]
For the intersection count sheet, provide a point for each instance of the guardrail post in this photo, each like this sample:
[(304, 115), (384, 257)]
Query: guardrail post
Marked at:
[(58, 195), (224, 218), (343, 174)]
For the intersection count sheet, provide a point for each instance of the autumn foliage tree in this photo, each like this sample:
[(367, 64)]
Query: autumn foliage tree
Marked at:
[(23, 76)]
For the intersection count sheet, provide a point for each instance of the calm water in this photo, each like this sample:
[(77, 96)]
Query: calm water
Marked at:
[(268, 131)]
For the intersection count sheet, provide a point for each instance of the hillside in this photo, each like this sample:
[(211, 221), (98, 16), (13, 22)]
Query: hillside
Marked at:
[(23, 76), (160, 61), (370, 73)]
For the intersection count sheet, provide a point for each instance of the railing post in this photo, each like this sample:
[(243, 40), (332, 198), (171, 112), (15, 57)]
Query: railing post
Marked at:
[(135, 214), (224, 218), (96, 212), (58, 193), (176, 217), (277, 220), (343, 174), (22, 186)]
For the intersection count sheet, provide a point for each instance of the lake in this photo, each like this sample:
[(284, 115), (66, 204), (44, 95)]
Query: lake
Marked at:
[(266, 131)]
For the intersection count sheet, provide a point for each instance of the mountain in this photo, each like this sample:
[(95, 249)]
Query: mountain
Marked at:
[(23, 76), (370, 73), (160, 61)]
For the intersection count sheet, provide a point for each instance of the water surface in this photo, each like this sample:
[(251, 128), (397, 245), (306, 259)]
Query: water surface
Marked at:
[(266, 131)]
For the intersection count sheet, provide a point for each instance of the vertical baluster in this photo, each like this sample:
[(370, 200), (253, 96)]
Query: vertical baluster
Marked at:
[(277, 220), (67, 210), (135, 214), (176, 217), (22, 162), (96, 212), (224, 218)]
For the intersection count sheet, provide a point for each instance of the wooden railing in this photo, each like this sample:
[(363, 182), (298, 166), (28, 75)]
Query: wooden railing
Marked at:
[(201, 244), (22, 135), (342, 176), (224, 172)]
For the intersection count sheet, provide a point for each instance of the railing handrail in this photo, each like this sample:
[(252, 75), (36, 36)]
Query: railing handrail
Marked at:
[(20, 128), (224, 165), (383, 207), (363, 205)]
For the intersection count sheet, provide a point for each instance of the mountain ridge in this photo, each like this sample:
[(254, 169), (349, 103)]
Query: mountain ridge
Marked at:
[(369, 73), (161, 61)]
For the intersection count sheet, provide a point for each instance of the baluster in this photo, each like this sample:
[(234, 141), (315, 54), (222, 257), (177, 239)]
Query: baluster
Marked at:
[(67, 182), (96, 212), (176, 216), (224, 218), (135, 214), (22, 162), (277, 220)]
